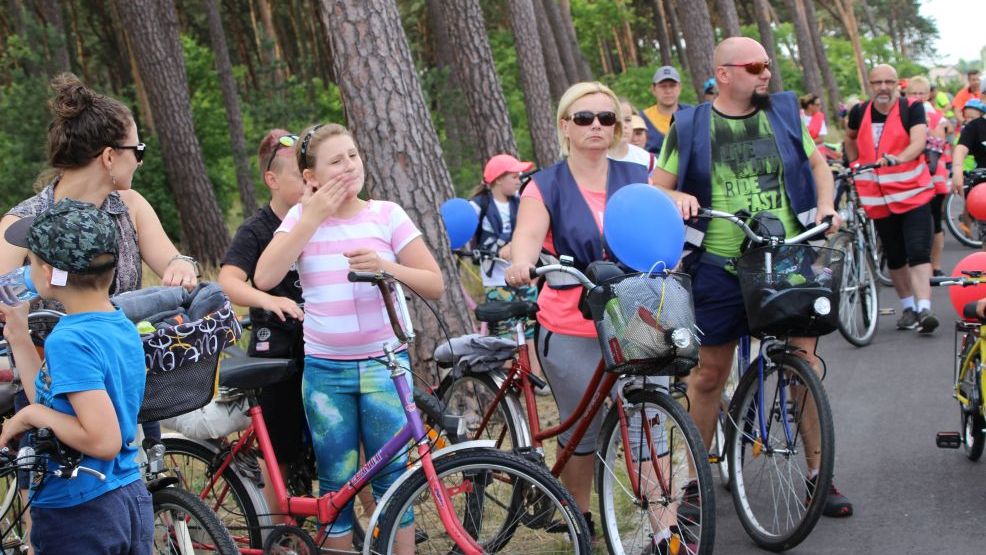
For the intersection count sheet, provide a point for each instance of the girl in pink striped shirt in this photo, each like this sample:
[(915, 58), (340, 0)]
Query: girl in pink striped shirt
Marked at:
[(348, 394)]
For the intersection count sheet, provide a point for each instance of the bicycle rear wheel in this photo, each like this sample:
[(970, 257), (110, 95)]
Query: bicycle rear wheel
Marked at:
[(184, 525), (769, 472), (664, 449), (858, 308), (973, 423), (236, 500), (470, 396), (960, 224), (506, 503)]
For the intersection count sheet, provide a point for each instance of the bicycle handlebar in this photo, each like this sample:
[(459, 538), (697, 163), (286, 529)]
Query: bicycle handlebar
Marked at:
[(382, 279), (759, 239), (549, 268)]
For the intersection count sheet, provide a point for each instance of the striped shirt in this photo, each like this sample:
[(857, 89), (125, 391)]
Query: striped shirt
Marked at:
[(346, 320)]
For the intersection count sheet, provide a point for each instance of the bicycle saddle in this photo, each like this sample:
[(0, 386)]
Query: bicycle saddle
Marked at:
[(254, 372), (498, 311)]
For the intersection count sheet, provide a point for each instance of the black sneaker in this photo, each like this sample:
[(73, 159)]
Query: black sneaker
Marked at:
[(836, 504), (927, 322), (908, 320), (690, 508)]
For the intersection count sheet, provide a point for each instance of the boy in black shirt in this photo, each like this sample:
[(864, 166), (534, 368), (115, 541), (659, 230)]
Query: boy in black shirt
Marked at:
[(972, 140)]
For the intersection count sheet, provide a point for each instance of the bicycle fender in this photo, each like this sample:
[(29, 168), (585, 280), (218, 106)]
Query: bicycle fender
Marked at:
[(514, 407), (371, 526)]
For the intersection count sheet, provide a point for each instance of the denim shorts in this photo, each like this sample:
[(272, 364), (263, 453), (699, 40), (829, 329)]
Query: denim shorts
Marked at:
[(350, 403), (719, 310)]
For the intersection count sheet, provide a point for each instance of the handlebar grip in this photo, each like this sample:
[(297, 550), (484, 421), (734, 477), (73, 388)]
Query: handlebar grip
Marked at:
[(533, 272), (969, 311), (364, 277)]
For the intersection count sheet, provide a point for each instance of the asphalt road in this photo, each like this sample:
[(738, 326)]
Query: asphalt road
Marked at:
[(889, 399)]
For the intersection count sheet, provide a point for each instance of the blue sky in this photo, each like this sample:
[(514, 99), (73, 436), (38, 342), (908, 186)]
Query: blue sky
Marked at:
[(960, 28)]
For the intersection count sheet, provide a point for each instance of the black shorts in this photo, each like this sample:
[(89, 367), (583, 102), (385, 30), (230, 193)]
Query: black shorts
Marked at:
[(284, 414), (719, 310), (937, 204), (906, 238)]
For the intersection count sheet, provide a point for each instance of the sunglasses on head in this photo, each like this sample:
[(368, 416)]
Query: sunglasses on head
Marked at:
[(287, 141), (137, 148), (753, 68), (582, 119)]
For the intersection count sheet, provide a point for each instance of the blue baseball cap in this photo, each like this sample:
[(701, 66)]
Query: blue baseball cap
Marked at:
[(975, 104)]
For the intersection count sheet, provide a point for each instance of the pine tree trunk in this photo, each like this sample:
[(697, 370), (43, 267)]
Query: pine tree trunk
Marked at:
[(530, 61), (671, 8), (153, 30), (828, 78), (556, 73), (762, 10), (564, 44), (477, 76), (631, 43), (729, 18), (388, 117), (584, 71), (848, 15), (271, 43), (700, 40), (234, 118), (51, 12), (806, 48), (663, 38)]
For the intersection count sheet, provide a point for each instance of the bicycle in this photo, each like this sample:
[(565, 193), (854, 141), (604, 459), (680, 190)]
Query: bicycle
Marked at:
[(483, 479), (648, 442), (859, 309), (960, 224), (789, 289), (183, 524), (969, 387)]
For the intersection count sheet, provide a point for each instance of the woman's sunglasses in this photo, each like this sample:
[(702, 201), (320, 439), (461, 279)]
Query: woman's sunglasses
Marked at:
[(286, 141), (582, 119), (753, 68), (137, 148)]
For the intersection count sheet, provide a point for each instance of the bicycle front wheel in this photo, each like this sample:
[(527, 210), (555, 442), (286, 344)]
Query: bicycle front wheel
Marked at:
[(776, 443), (970, 401), (184, 524), (646, 464), (959, 223), (506, 503), (858, 308)]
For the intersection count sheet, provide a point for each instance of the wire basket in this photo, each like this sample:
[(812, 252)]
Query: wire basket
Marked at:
[(183, 364), (791, 290), (646, 324)]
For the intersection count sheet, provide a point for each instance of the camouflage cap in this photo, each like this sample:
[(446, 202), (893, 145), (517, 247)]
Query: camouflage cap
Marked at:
[(68, 236)]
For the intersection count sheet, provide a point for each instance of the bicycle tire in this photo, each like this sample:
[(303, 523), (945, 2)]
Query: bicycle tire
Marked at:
[(973, 423), (627, 525), (478, 472), (468, 397), (859, 311), (194, 463), (752, 507), (878, 260), (11, 506), (205, 532), (954, 209)]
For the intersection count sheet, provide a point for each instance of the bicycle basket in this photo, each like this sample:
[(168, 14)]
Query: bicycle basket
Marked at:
[(791, 290), (183, 364), (646, 324)]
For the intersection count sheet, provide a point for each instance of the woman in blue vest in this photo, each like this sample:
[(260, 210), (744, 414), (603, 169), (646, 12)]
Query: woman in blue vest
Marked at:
[(561, 213)]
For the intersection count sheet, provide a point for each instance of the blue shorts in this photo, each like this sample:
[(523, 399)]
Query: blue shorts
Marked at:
[(719, 310), (349, 403), (119, 521)]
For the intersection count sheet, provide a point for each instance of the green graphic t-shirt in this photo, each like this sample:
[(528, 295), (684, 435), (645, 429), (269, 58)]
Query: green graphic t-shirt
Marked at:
[(747, 173)]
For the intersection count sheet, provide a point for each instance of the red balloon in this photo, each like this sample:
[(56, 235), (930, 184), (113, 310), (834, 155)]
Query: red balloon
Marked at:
[(976, 202), (962, 296)]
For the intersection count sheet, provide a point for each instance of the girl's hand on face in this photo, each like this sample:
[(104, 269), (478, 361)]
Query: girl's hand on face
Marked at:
[(325, 201), (364, 260)]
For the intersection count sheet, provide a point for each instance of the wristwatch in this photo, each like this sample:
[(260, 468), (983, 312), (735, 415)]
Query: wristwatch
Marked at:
[(189, 259)]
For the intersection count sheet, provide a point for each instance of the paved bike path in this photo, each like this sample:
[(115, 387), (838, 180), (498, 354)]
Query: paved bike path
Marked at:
[(888, 401)]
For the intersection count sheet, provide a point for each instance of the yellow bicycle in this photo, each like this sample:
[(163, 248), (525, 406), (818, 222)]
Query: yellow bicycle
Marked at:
[(968, 373)]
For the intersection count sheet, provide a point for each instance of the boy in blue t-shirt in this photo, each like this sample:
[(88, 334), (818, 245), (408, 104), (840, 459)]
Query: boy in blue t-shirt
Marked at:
[(88, 389)]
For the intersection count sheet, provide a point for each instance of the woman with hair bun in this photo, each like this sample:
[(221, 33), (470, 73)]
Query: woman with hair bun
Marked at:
[(94, 150)]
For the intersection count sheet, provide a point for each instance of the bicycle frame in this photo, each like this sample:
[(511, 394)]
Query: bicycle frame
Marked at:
[(965, 362)]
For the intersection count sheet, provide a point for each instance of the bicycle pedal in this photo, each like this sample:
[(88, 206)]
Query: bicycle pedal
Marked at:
[(714, 459), (888, 311), (948, 440)]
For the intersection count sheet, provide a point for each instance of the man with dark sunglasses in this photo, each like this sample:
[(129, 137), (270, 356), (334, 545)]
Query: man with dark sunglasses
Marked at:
[(893, 131), (746, 150), (666, 88)]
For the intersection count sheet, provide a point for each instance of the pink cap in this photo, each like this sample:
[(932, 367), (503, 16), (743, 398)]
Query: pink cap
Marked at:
[(501, 164)]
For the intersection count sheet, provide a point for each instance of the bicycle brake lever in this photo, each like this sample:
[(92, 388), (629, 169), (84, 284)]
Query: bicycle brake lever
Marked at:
[(87, 470)]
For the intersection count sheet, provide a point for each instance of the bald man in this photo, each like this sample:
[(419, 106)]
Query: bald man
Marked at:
[(891, 131), (747, 150)]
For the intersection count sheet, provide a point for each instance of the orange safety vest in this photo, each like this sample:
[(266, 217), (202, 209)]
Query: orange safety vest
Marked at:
[(892, 189)]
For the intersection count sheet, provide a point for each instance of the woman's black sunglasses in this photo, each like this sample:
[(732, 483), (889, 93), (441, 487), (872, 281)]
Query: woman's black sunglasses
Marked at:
[(137, 148), (582, 119)]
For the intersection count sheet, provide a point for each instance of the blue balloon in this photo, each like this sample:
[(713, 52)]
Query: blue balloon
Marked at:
[(643, 228), (460, 220)]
